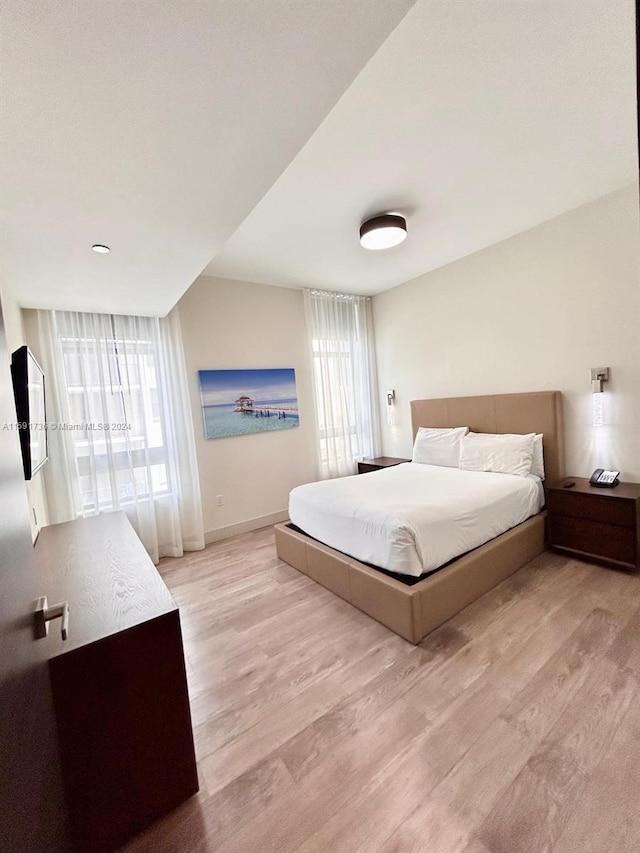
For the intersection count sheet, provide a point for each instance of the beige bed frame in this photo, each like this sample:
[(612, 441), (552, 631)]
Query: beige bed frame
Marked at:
[(414, 611)]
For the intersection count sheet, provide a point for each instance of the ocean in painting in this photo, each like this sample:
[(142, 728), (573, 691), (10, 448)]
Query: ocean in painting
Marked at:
[(241, 402), (222, 420)]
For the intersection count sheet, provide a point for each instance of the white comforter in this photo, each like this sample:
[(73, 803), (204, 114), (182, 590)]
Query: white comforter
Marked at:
[(413, 518)]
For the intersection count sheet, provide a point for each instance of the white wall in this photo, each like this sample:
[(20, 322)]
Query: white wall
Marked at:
[(14, 330), (532, 313), (233, 324)]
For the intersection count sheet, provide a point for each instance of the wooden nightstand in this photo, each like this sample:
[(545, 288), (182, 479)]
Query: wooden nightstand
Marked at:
[(600, 523), (376, 462)]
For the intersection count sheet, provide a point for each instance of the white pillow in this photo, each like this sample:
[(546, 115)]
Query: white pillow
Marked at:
[(537, 462), (501, 454), (438, 446)]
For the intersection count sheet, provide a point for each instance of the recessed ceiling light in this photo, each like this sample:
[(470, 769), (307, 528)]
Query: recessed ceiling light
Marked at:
[(383, 231), (102, 250)]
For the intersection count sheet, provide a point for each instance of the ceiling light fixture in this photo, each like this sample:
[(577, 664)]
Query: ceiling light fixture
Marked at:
[(383, 231), (101, 250)]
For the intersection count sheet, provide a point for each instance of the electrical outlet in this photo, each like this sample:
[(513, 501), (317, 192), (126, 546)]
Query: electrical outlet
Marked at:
[(220, 500)]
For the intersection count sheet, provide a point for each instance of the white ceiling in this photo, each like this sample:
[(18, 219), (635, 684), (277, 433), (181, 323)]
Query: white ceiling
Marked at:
[(155, 126), (476, 119), (161, 128)]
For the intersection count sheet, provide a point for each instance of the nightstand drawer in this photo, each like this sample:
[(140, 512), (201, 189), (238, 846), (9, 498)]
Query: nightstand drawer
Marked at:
[(591, 537), (596, 507), (365, 467)]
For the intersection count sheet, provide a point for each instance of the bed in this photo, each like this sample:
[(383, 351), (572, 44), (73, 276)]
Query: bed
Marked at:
[(413, 610), (412, 519)]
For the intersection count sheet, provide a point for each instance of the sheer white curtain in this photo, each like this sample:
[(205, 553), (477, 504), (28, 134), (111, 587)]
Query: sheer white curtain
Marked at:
[(120, 426), (340, 330)]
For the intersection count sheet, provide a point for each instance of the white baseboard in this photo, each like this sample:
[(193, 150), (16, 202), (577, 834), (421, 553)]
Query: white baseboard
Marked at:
[(245, 526)]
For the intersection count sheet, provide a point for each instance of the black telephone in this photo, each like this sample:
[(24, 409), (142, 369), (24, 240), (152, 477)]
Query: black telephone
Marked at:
[(604, 479)]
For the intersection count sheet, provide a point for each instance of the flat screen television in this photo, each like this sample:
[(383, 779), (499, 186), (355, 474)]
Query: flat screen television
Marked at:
[(28, 389)]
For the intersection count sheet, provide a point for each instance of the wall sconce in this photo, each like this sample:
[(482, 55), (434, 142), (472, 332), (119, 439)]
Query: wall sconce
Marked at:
[(391, 396), (598, 376)]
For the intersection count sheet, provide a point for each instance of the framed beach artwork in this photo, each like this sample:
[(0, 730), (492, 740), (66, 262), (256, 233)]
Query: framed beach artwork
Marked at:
[(240, 402)]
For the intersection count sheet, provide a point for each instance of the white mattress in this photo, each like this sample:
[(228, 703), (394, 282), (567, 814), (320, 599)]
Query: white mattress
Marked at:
[(413, 518)]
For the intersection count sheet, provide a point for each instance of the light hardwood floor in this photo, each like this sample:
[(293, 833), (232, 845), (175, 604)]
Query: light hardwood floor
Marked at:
[(514, 728)]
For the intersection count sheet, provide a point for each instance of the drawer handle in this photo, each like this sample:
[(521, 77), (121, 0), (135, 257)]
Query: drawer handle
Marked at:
[(43, 614)]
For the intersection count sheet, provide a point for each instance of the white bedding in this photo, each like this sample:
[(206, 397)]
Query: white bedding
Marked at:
[(413, 518)]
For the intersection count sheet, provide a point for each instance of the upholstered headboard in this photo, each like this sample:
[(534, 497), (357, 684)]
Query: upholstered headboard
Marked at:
[(538, 411)]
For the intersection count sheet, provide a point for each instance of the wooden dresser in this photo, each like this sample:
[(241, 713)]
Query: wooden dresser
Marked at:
[(119, 683), (603, 524)]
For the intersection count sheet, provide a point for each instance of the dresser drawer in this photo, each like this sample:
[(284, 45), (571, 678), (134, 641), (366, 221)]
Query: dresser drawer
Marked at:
[(595, 507), (591, 537)]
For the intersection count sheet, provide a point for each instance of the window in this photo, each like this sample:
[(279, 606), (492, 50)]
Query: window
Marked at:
[(114, 423), (120, 428), (335, 405), (339, 326)]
